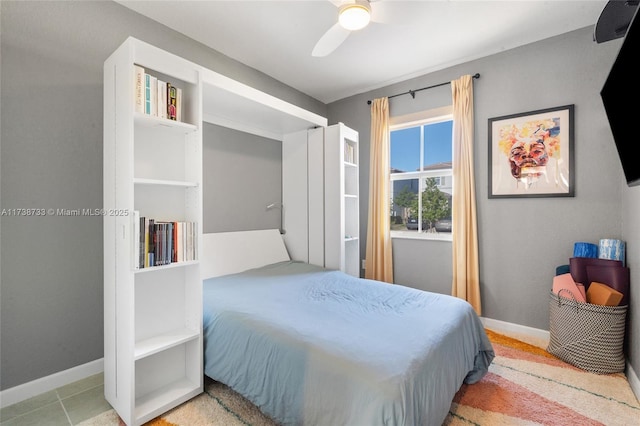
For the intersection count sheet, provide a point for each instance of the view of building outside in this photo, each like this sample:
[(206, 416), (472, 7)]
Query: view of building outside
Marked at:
[(421, 163)]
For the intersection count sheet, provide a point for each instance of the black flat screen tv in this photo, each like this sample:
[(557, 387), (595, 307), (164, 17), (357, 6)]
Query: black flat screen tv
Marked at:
[(620, 95)]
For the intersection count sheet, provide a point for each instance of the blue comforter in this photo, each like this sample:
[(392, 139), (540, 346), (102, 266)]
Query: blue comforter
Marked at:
[(311, 346)]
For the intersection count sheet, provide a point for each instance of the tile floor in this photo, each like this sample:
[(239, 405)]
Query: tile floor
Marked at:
[(68, 405)]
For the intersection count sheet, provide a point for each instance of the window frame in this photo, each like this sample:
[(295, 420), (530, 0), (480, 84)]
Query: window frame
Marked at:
[(431, 116)]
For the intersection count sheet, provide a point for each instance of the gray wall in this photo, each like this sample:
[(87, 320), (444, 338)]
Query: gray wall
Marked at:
[(522, 240), (242, 176), (52, 57)]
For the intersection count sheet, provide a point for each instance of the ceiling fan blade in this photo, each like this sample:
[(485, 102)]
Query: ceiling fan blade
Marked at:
[(330, 40)]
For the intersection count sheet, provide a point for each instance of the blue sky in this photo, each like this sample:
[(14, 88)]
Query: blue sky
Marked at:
[(405, 146)]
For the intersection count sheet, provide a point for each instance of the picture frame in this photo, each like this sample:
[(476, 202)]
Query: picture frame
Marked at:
[(531, 154)]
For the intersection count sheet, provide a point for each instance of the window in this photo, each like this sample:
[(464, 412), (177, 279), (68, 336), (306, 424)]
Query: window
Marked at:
[(421, 175)]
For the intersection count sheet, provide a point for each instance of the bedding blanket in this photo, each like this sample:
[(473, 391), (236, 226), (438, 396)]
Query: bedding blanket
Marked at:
[(312, 346)]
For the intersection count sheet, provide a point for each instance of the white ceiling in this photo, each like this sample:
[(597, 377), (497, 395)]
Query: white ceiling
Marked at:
[(416, 37)]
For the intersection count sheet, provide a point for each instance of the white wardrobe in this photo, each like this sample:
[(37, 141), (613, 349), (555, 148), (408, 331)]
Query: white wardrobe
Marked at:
[(320, 192)]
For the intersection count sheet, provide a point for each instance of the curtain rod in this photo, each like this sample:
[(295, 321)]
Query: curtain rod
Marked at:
[(413, 92)]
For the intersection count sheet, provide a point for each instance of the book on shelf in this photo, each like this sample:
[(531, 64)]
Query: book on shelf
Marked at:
[(141, 238), (189, 241), (172, 105), (151, 246), (176, 244), (157, 245), (147, 94), (178, 104), (139, 88), (136, 239), (159, 242), (151, 95), (162, 99), (156, 97)]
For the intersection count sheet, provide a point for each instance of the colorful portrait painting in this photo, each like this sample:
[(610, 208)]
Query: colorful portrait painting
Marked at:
[(531, 154)]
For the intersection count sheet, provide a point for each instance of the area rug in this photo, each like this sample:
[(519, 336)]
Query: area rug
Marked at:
[(525, 386)]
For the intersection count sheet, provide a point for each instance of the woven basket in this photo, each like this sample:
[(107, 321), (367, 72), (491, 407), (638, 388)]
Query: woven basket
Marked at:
[(587, 336)]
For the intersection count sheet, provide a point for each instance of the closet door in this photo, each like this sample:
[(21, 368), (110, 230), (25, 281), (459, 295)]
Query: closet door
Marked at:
[(295, 215), (315, 185), (303, 195)]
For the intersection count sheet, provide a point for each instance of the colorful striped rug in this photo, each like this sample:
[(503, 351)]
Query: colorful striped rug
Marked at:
[(528, 386), (525, 386)]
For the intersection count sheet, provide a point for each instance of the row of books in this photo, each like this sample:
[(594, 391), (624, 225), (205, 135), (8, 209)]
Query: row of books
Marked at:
[(156, 97), (158, 243)]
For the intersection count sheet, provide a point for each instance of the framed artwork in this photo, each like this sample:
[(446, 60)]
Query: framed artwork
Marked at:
[(531, 154)]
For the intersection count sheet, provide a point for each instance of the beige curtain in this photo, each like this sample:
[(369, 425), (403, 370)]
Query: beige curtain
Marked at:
[(466, 277), (379, 264)]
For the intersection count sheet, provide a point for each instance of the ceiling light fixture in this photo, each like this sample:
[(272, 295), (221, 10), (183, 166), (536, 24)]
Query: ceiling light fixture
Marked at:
[(355, 16)]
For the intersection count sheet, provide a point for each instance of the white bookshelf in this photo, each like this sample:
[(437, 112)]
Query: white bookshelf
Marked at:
[(342, 217), (153, 344), (152, 165)]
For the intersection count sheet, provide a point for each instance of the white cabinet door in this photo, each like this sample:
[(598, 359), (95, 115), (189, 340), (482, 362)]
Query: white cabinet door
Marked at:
[(295, 215)]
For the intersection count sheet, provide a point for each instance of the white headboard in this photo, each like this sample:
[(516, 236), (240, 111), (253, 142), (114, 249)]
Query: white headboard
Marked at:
[(226, 253)]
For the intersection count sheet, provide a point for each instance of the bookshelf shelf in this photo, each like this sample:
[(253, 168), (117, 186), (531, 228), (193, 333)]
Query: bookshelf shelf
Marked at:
[(146, 120), (165, 397), (161, 182), (169, 266), (164, 341)]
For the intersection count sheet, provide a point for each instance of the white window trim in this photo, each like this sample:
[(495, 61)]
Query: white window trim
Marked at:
[(420, 118), (413, 120)]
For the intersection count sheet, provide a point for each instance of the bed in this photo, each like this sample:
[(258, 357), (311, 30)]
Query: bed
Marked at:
[(314, 346)]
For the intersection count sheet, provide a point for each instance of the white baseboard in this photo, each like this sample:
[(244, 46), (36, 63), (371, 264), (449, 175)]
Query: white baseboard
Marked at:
[(45, 384), (508, 327), (632, 377)]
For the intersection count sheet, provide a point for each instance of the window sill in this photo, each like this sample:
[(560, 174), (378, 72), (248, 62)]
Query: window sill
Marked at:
[(415, 235)]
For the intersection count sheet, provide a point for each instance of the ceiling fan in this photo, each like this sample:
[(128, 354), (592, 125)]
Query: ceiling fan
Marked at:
[(353, 15)]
